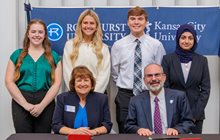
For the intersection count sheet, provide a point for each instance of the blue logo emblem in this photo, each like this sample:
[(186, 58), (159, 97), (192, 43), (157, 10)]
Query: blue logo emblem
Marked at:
[(55, 31)]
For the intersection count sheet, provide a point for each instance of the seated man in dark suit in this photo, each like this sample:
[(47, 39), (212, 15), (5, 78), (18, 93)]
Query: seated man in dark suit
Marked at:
[(159, 110)]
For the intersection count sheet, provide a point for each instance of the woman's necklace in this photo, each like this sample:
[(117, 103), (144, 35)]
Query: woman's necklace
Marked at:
[(186, 66)]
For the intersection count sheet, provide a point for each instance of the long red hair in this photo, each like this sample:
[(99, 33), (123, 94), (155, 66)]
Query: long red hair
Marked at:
[(26, 44)]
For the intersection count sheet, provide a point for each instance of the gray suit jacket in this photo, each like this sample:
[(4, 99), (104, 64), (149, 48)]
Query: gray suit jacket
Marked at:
[(179, 115)]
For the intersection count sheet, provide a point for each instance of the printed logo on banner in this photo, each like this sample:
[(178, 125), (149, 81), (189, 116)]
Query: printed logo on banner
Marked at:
[(55, 31), (148, 27)]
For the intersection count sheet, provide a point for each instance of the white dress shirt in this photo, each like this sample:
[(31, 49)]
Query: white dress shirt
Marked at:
[(88, 58), (162, 106), (122, 58), (186, 68)]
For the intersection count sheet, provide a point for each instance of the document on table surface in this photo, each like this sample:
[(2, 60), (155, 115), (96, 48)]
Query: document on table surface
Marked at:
[(165, 137)]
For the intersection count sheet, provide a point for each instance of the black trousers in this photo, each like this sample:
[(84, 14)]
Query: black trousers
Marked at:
[(24, 122), (122, 101), (197, 129)]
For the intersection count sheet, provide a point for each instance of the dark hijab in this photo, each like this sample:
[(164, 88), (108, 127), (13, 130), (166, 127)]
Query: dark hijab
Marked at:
[(185, 56)]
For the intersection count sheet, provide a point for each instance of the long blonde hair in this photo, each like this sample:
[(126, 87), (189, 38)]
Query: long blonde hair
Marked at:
[(26, 45), (96, 40)]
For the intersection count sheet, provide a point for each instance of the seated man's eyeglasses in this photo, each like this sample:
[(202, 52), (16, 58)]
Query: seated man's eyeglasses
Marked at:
[(157, 75)]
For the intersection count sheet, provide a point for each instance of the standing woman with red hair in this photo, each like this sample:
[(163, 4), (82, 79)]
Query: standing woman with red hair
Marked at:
[(33, 78)]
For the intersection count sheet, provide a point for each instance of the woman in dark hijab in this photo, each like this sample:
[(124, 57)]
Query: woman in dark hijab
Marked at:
[(188, 71)]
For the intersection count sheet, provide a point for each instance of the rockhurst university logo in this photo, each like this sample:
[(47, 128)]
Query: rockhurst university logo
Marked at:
[(55, 31)]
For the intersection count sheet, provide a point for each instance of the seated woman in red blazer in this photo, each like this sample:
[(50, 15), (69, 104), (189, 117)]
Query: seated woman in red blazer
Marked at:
[(81, 110)]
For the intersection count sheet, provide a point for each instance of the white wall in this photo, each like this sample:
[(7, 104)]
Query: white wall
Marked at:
[(8, 30), (13, 36), (211, 123)]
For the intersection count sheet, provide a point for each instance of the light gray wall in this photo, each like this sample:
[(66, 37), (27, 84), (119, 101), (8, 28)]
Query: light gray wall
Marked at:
[(8, 30), (12, 30)]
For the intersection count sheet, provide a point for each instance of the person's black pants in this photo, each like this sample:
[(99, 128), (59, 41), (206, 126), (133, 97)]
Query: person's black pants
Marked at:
[(197, 129), (122, 101), (24, 122)]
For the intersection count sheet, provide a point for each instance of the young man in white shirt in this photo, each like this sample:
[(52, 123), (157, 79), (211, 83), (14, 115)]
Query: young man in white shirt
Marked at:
[(123, 59)]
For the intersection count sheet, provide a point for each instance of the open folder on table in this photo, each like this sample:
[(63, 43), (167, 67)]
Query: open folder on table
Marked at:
[(165, 137), (78, 137)]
